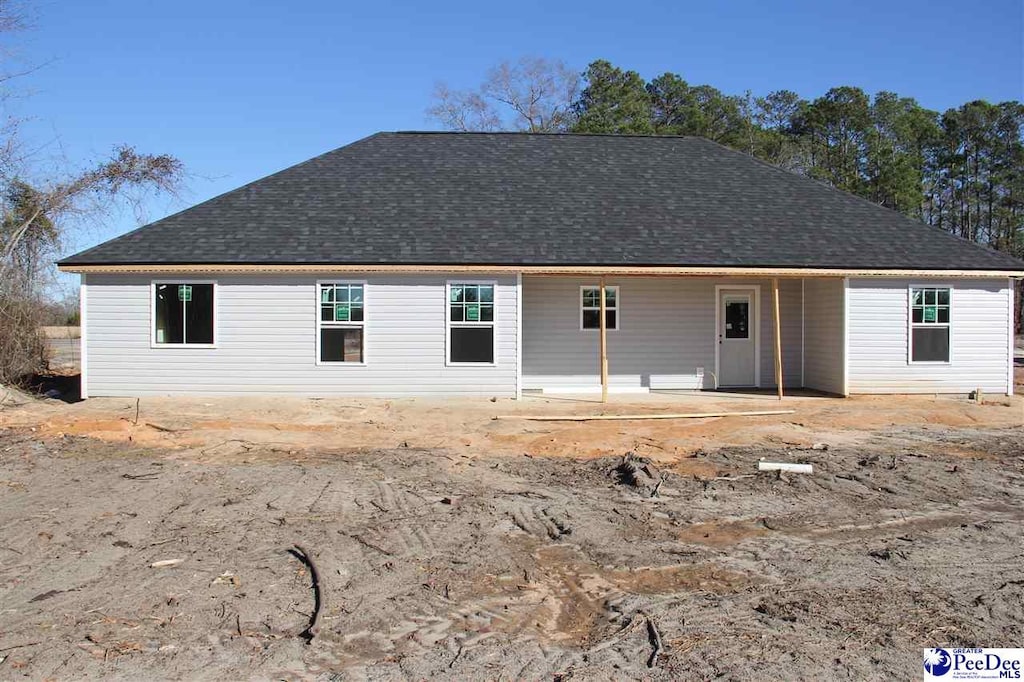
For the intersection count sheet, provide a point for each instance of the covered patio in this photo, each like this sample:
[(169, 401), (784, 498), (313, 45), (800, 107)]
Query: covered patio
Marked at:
[(614, 334)]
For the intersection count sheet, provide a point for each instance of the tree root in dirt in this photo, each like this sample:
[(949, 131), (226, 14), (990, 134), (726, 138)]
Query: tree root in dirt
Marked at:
[(639, 473), (318, 593), (655, 636)]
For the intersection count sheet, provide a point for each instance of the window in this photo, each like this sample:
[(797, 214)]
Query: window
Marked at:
[(929, 324), (590, 307), (341, 322), (737, 317), (471, 318), (183, 314)]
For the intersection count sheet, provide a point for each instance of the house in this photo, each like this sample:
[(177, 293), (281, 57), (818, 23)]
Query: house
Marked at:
[(473, 264)]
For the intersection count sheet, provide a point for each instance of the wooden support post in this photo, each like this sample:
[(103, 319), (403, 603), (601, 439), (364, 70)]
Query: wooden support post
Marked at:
[(778, 335), (603, 326)]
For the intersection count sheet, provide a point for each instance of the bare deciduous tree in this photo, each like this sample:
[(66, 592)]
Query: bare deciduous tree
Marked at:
[(463, 111), (32, 223), (531, 94), (38, 206)]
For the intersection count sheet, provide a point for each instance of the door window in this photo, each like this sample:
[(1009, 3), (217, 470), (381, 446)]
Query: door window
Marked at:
[(737, 318)]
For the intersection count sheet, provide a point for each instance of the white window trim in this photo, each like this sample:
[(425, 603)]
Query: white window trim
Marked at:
[(617, 308), (342, 325), (803, 330), (846, 336), (448, 323), (83, 341), (911, 325), (1011, 313), (152, 313), (518, 336)]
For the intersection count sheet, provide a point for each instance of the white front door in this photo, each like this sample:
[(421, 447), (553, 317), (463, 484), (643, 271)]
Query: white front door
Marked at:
[(737, 337)]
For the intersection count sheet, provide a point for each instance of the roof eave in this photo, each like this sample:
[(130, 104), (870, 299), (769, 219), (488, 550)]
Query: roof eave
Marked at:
[(654, 270)]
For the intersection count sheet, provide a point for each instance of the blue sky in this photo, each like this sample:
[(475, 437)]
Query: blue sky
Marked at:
[(238, 89)]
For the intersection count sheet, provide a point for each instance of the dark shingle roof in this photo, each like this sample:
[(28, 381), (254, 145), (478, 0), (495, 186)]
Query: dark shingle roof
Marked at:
[(518, 199)]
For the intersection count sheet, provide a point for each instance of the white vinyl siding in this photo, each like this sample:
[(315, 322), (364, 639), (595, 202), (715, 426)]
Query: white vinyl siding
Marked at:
[(666, 334), (823, 335), (266, 337), (879, 321), (266, 341)]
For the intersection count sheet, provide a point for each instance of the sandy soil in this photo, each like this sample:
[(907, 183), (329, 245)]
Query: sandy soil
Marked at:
[(456, 546), (224, 429)]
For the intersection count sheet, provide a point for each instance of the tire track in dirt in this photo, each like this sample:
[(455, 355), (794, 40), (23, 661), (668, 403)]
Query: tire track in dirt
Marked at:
[(517, 566), (541, 521)]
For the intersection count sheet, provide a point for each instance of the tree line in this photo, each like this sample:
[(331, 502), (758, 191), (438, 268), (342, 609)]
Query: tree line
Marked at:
[(961, 170)]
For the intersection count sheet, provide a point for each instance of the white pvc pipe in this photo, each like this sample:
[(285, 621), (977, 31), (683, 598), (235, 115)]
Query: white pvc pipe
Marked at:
[(785, 466)]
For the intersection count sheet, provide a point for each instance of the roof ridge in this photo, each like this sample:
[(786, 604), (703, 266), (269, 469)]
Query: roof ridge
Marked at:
[(527, 133)]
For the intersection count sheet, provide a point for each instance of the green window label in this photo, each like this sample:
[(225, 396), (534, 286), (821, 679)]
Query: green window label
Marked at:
[(185, 292), (473, 313), (341, 313), (930, 313)]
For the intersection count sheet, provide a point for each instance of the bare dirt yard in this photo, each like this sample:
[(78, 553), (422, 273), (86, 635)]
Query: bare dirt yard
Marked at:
[(156, 539)]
